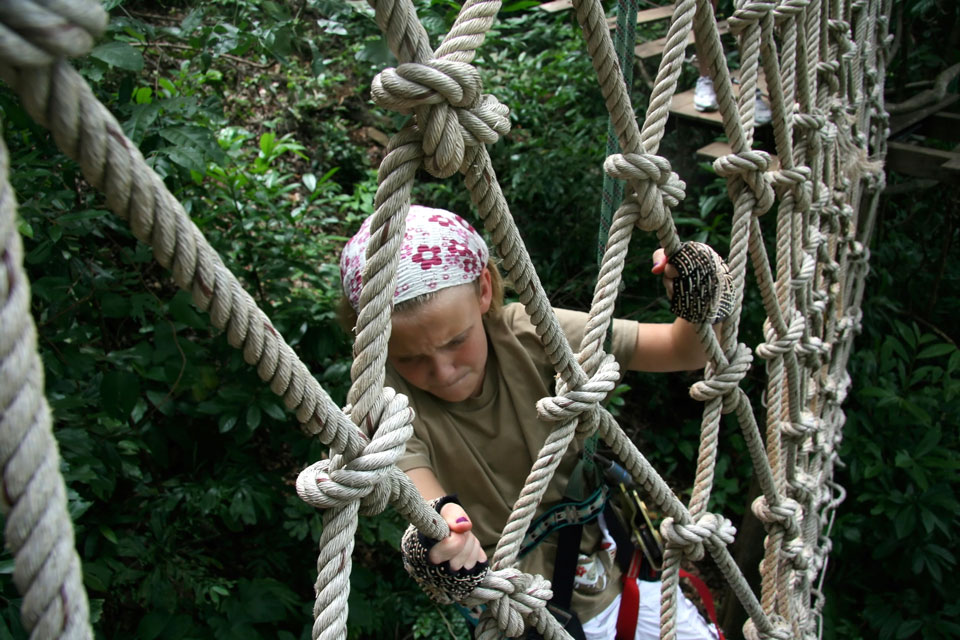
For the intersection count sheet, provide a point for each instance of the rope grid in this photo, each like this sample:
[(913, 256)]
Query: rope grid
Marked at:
[(824, 67)]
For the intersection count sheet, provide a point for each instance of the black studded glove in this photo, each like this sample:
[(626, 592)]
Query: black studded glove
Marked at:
[(703, 290), (438, 581)]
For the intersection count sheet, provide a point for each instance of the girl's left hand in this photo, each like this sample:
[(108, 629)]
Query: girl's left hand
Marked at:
[(669, 272)]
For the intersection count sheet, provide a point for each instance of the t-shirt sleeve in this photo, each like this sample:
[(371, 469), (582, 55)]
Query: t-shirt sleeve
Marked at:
[(418, 452), (415, 456)]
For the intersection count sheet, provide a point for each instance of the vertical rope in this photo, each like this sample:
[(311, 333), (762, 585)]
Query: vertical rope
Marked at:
[(612, 192)]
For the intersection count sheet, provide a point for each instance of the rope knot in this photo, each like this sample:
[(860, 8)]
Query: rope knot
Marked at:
[(751, 167), (748, 14), (330, 483), (689, 538), (859, 252), (725, 380), (37, 33), (780, 630), (571, 403), (511, 596), (784, 514), (640, 170), (777, 345), (452, 111)]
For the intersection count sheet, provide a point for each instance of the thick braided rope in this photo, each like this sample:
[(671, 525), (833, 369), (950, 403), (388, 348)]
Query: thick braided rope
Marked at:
[(753, 193), (440, 145), (793, 267), (38, 528)]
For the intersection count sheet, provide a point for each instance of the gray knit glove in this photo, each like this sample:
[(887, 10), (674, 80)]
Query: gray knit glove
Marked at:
[(703, 292), (438, 581)]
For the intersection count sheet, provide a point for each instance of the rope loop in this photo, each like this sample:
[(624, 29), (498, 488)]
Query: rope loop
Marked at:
[(750, 166), (793, 551), (413, 85), (640, 170), (808, 268), (797, 430), (638, 167), (849, 325), (813, 121), (689, 538), (36, 33), (326, 484), (572, 403), (452, 111), (805, 485), (511, 596), (783, 515), (777, 345), (789, 9), (748, 14), (725, 380)]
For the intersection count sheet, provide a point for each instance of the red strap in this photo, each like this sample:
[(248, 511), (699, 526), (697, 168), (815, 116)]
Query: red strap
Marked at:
[(705, 596), (629, 600)]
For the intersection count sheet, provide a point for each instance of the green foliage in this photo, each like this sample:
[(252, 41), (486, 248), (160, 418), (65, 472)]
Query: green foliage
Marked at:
[(180, 461)]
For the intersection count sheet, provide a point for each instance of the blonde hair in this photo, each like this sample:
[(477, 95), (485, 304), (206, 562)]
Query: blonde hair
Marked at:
[(347, 317)]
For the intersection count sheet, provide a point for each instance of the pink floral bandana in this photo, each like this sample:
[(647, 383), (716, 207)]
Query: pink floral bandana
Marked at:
[(440, 249)]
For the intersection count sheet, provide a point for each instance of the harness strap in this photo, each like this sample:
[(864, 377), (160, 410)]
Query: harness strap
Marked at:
[(564, 515), (706, 597), (630, 599)]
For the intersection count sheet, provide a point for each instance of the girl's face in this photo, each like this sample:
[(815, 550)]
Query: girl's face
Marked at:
[(441, 347)]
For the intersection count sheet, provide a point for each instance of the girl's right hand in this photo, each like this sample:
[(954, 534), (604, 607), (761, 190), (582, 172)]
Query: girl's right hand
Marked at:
[(461, 548)]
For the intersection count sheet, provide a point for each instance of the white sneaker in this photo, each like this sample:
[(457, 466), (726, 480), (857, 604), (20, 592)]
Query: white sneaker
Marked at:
[(704, 97), (761, 112)]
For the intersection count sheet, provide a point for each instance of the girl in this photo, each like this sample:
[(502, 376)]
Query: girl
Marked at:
[(473, 371)]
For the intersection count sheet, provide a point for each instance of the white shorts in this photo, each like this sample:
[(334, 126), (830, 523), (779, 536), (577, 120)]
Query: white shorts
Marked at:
[(690, 625)]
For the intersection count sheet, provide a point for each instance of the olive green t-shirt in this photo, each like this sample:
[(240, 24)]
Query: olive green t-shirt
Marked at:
[(483, 448)]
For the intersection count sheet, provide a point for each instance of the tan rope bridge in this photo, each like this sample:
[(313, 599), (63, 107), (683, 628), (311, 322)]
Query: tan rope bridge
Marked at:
[(824, 67)]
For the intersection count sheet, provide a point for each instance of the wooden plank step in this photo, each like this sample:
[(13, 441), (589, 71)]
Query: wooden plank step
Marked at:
[(682, 103), (556, 6), (643, 17), (647, 15), (902, 121), (922, 162), (716, 149), (654, 48)]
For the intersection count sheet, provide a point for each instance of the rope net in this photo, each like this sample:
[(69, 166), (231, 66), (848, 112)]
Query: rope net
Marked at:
[(824, 67)]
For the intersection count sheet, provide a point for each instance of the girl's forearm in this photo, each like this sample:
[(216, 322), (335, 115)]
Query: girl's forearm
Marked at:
[(426, 483)]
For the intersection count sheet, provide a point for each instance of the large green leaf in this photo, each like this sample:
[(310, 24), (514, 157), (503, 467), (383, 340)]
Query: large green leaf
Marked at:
[(120, 55)]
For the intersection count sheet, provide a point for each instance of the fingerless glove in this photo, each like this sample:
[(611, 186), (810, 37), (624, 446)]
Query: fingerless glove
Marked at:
[(438, 581), (703, 290)]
